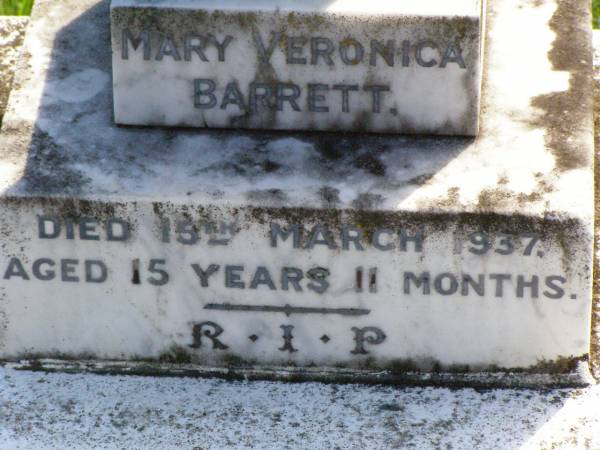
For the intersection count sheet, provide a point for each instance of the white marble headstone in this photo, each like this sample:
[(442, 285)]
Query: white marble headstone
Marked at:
[(320, 251), (343, 65)]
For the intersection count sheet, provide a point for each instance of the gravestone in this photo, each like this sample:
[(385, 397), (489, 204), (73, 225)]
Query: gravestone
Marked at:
[(411, 67), (321, 255)]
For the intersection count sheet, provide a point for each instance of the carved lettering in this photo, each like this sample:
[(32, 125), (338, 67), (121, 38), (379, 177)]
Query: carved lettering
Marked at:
[(287, 339), (366, 335), (209, 330)]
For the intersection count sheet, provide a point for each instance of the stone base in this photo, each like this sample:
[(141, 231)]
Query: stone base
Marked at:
[(579, 376), (252, 285), (310, 250)]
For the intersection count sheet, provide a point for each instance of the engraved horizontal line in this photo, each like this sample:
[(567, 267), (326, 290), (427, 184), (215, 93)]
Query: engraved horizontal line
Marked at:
[(287, 309)]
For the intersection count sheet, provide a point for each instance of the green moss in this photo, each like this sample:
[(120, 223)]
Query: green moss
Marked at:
[(314, 22), (35, 365), (234, 361), (200, 16), (176, 355), (403, 366), (368, 363), (361, 121), (293, 21), (559, 365), (246, 20), (457, 368)]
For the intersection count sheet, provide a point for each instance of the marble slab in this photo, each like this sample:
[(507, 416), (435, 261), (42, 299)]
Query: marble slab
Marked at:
[(269, 249), (344, 65)]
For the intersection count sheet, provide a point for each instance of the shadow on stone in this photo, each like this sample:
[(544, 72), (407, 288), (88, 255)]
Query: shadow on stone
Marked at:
[(78, 151)]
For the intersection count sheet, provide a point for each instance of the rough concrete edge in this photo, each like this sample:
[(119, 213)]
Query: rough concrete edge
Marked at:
[(595, 338), (578, 378), (12, 34)]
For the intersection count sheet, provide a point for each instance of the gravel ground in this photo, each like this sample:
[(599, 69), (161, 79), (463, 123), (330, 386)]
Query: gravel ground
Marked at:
[(39, 411), (12, 32)]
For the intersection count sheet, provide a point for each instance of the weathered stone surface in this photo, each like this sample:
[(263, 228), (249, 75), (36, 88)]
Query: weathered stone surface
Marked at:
[(513, 204), (12, 31), (595, 343), (398, 67)]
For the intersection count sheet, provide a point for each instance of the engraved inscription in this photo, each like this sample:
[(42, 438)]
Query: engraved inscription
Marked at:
[(300, 287), (293, 50), (301, 50), (302, 66)]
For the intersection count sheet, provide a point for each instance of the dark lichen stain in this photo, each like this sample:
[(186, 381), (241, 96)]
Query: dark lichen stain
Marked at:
[(270, 166), (559, 365), (403, 366), (176, 355), (135, 277), (362, 120), (333, 147), (330, 196), (267, 195), (405, 372), (371, 164), (421, 179), (231, 360), (523, 198), (489, 198), (393, 407), (452, 199), (567, 114), (48, 170), (368, 201)]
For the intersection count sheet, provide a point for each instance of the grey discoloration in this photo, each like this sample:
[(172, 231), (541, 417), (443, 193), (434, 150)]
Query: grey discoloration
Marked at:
[(568, 114), (330, 196), (269, 196), (230, 163), (368, 201), (421, 179), (50, 167), (398, 372), (371, 164)]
